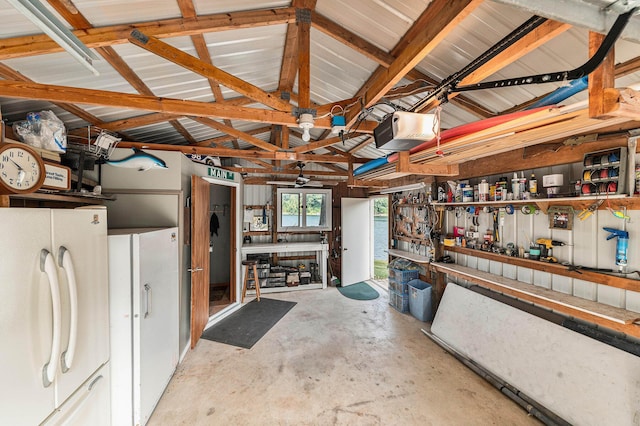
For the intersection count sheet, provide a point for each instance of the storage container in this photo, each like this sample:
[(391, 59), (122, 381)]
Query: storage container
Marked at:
[(402, 288), (399, 301), (420, 300), (403, 276)]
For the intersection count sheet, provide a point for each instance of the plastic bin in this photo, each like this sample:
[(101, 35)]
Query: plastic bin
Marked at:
[(420, 300), (400, 302), (403, 276), (402, 288)]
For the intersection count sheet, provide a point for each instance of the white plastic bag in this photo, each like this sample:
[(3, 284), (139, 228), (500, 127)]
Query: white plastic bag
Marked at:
[(42, 130)]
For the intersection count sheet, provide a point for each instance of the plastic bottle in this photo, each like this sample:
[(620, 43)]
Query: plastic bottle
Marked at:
[(533, 184), (515, 186), (483, 191)]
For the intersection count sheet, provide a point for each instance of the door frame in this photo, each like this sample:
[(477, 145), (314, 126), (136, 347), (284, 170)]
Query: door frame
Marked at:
[(235, 244)]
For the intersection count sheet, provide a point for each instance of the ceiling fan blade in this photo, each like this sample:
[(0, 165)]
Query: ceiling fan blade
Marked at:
[(280, 182)]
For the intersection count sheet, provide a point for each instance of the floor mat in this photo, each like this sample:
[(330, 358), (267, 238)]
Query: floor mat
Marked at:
[(359, 291), (246, 326)]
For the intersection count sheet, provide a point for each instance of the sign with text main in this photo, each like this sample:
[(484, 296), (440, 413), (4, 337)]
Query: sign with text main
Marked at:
[(221, 174)]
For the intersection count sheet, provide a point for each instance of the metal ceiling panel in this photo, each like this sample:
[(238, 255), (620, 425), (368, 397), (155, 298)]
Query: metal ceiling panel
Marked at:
[(363, 17), (109, 12), (337, 72), (205, 7)]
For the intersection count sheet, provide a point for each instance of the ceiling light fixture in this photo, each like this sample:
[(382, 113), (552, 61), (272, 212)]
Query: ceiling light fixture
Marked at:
[(47, 22), (410, 187), (305, 122)]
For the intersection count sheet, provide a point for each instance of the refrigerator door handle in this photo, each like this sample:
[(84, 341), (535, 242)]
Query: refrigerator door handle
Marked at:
[(147, 292), (66, 263), (48, 266)]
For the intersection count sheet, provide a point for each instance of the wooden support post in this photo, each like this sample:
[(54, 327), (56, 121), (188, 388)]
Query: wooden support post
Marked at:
[(303, 20), (602, 78)]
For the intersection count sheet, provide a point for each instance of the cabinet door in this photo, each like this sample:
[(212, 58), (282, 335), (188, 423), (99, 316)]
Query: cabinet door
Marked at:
[(25, 317), (83, 232), (156, 349)]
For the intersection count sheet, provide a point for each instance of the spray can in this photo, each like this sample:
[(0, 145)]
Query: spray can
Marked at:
[(622, 246), (533, 185)]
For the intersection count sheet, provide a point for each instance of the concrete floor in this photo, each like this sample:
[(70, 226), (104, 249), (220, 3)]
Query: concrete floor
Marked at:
[(333, 361)]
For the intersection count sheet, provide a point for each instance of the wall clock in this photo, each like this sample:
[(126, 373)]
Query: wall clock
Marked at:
[(21, 169)]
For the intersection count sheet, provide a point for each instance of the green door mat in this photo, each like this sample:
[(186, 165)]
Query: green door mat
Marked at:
[(359, 291)]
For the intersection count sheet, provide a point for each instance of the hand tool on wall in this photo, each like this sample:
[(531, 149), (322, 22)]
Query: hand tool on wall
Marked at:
[(585, 213)]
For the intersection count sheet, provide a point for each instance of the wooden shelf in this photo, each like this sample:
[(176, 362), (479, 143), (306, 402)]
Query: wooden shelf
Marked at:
[(578, 203), (63, 197), (409, 256), (553, 268), (256, 233)]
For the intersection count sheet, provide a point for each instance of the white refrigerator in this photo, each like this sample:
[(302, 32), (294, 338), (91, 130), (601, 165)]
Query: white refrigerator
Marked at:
[(143, 291), (54, 317)]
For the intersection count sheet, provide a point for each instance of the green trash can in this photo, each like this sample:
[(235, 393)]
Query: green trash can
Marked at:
[(420, 300)]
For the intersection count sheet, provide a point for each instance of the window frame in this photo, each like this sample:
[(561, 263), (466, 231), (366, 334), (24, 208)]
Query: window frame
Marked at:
[(302, 192)]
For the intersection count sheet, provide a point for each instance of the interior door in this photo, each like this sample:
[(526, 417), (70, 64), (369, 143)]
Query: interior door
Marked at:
[(199, 257), (356, 240)]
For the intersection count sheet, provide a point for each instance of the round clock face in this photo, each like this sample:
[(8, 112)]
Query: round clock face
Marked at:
[(20, 169)]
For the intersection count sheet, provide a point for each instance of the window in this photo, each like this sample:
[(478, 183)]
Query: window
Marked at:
[(304, 209)]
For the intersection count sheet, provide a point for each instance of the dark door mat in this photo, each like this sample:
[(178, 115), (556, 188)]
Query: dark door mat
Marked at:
[(246, 326), (359, 291)]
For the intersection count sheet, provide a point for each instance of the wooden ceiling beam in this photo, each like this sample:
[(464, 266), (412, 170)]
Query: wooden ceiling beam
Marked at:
[(311, 146), (350, 39), (281, 171), (78, 21), (17, 47), (234, 132), (11, 74), (53, 93), (228, 138), (435, 23), (204, 69), (188, 10), (235, 153), (183, 131), (361, 145)]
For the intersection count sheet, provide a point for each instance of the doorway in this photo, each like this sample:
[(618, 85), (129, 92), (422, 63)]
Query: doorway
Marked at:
[(380, 240), (221, 257)]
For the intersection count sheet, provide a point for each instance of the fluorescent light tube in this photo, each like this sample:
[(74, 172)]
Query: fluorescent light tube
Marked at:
[(50, 25), (410, 187)]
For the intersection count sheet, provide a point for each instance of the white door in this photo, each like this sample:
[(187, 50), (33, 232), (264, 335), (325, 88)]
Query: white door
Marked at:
[(356, 240), (25, 317), (156, 318), (83, 233)]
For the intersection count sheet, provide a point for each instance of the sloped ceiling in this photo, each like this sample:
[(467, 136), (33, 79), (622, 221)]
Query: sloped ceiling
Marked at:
[(229, 78)]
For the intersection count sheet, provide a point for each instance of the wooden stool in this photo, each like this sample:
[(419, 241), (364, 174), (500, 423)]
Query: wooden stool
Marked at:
[(248, 264)]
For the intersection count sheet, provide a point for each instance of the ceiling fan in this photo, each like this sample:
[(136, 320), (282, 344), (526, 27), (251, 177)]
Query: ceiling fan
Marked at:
[(299, 182)]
